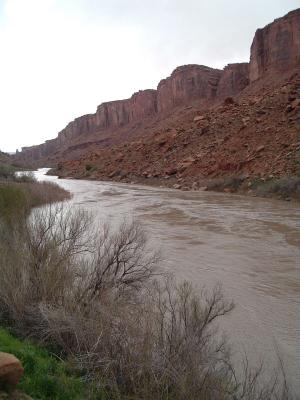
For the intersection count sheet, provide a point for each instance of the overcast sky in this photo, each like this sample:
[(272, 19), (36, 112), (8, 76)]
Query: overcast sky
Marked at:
[(59, 59)]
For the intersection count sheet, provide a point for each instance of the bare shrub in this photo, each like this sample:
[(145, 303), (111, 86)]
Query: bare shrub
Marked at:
[(37, 260), (162, 345), (55, 257), (122, 262)]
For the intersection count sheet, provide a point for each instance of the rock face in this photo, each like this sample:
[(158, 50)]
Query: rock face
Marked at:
[(11, 370), (119, 113), (82, 125), (187, 84), (40, 151), (276, 47), (234, 78)]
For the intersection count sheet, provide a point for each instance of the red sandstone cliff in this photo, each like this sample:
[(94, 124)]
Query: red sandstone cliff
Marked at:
[(122, 112), (275, 48), (187, 84), (234, 78)]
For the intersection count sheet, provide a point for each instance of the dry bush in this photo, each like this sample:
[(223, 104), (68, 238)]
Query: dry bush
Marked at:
[(37, 260), (55, 256), (162, 345), (93, 293)]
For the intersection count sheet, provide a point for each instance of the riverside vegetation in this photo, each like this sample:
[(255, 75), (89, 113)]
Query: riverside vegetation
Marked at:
[(96, 299)]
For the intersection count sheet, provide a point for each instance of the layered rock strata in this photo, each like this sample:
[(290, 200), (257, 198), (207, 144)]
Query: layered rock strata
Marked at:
[(276, 48)]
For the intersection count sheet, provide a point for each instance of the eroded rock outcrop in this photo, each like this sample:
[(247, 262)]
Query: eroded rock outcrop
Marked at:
[(40, 151), (234, 78), (83, 125), (121, 112), (276, 47), (187, 84)]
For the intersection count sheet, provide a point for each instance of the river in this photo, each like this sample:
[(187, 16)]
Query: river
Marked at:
[(250, 245)]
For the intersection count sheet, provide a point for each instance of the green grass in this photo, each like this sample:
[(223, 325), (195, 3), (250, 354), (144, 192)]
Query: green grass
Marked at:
[(45, 377)]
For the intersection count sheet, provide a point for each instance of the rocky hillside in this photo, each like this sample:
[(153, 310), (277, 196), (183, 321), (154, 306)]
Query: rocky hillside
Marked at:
[(117, 121), (199, 123), (252, 136)]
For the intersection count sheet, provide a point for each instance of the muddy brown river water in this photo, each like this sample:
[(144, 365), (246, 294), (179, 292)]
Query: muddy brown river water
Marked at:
[(250, 245)]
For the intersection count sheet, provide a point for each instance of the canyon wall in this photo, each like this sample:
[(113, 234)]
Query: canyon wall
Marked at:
[(121, 112), (187, 84), (39, 152), (234, 78), (275, 48)]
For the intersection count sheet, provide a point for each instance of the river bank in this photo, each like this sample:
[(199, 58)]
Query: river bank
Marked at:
[(286, 188)]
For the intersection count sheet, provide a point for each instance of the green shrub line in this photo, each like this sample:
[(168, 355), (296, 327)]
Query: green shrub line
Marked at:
[(283, 187)]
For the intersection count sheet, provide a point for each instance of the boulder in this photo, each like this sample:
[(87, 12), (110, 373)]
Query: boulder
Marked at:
[(260, 148), (177, 186), (11, 370), (295, 103), (199, 118)]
